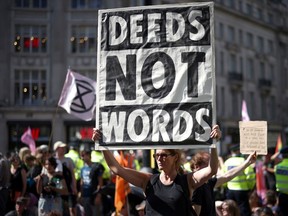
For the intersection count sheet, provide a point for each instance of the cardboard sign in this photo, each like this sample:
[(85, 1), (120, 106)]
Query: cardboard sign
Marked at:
[(156, 76), (253, 137)]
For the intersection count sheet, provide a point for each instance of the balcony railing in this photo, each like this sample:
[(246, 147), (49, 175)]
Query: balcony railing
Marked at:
[(235, 79), (264, 85)]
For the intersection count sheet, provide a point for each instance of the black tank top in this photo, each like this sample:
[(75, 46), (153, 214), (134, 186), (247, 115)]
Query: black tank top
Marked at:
[(166, 200)]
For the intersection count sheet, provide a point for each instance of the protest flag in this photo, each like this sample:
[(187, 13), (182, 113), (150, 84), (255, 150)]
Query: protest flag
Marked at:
[(122, 188), (78, 96), (260, 180), (27, 138), (245, 115), (279, 144)]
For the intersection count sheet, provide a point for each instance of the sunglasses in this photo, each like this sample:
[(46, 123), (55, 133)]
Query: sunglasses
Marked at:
[(163, 156)]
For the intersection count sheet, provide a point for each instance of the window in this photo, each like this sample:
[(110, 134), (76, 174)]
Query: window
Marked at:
[(270, 18), (222, 64), (262, 70), (250, 69), (260, 44), (221, 31), (249, 9), (271, 72), (240, 37), (83, 39), (240, 6), (30, 3), (270, 47), (231, 34), (249, 40), (30, 38), (231, 4), (85, 4), (259, 13), (233, 63), (30, 87), (241, 65)]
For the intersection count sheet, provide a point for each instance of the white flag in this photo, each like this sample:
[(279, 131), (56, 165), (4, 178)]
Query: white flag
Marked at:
[(245, 115), (78, 96), (27, 138)]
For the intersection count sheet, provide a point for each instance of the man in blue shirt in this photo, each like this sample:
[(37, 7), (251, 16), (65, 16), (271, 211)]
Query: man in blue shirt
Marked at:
[(91, 181)]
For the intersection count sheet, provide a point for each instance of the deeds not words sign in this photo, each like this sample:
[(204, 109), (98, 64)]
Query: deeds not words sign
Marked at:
[(156, 76)]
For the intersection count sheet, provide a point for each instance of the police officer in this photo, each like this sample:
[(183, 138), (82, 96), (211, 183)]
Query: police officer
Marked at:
[(281, 174), (239, 188), (78, 162)]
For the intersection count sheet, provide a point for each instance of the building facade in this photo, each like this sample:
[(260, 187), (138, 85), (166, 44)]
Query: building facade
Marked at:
[(41, 39)]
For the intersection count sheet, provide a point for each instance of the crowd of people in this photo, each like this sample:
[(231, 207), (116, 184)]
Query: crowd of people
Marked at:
[(71, 180)]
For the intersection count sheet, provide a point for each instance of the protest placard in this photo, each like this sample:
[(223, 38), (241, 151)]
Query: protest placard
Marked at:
[(253, 137), (156, 76)]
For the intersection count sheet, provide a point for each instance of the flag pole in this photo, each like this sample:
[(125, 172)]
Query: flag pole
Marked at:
[(52, 127)]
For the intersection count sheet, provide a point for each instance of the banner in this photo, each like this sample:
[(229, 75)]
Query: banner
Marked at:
[(28, 140), (156, 76), (78, 96)]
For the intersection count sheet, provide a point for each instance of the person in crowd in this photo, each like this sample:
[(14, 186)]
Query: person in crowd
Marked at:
[(91, 182), (4, 183), (281, 175), (263, 211), (34, 172), (268, 168), (254, 201), (270, 200), (240, 187), (42, 149), (29, 161), (18, 181), (50, 187), (203, 200), (163, 196), (73, 153), (20, 208), (227, 208), (60, 149), (23, 152)]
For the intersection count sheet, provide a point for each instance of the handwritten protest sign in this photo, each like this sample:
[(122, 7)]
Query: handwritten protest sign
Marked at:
[(156, 76), (253, 137)]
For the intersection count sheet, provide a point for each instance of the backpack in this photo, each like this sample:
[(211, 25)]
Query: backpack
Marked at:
[(67, 175)]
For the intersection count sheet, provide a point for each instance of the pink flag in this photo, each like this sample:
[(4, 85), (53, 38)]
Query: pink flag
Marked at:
[(245, 115), (78, 96), (28, 140), (260, 180)]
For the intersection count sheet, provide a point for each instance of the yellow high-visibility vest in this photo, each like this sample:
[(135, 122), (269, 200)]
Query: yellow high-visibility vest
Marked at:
[(281, 174), (245, 180)]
